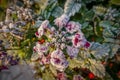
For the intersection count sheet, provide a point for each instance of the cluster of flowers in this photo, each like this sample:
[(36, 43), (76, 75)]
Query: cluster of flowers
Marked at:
[(7, 60), (16, 17), (14, 28), (22, 13), (55, 41)]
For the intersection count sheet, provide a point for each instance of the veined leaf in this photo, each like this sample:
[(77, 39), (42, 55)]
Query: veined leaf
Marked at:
[(105, 24), (71, 7), (48, 76), (58, 11), (73, 63), (108, 33), (53, 70), (113, 49), (99, 50), (97, 68)]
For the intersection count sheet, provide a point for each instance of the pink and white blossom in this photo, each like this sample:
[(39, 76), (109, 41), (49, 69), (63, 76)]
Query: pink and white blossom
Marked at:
[(72, 51), (45, 60), (41, 29), (62, 20), (61, 76), (58, 60), (40, 32), (40, 49), (72, 27), (78, 40)]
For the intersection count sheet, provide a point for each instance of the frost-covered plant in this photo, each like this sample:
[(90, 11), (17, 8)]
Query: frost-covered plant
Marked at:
[(65, 48), (69, 46)]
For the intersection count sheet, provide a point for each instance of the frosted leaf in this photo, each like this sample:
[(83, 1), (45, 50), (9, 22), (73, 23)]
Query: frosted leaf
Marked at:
[(71, 7), (114, 48), (58, 11), (34, 57), (105, 24), (99, 50), (108, 33), (73, 63), (97, 68)]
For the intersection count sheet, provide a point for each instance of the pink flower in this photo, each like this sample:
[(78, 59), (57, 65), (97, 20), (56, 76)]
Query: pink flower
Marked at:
[(40, 32), (57, 53), (41, 29), (58, 60), (87, 44), (78, 40), (45, 60), (45, 24), (61, 76), (40, 49), (62, 20), (72, 51), (72, 27)]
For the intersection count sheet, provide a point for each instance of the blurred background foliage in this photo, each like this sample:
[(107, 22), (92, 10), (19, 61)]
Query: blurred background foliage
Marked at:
[(3, 6)]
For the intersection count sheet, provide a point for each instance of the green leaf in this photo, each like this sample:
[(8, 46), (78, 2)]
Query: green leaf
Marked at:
[(113, 49), (53, 70), (58, 11), (107, 77), (116, 2), (73, 63), (48, 76), (105, 24), (99, 10), (97, 68), (71, 7), (25, 42), (89, 15), (21, 53), (107, 33), (99, 50), (85, 25)]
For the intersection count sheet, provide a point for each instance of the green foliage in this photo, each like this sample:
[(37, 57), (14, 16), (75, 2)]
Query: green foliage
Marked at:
[(71, 7), (73, 63), (58, 11), (99, 51), (53, 70), (100, 20), (48, 76), (3, 6), (97, 68), (115, 2), (94, 66)]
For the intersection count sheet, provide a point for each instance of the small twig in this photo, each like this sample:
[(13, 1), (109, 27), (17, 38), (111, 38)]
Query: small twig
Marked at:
[(94, 26)]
